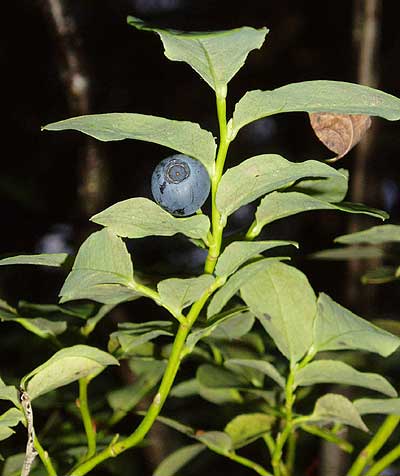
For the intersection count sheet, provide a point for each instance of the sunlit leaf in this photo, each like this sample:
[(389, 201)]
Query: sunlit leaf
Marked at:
[(337, 328), (64, 367), (329, 189), (177, 294), (215, 56), (181, 136), (239, 252), (212, 376), (373, 236), (262, 366), (246, 428), (9, 392), (257, 176), (279, 205), (334, 371), (337, 408), (217, 441), (284, 302), (232, 286), (51, 259), (102, 271), (225, 327), (386, 406), (349, 253), (140, 217), (314, 96)]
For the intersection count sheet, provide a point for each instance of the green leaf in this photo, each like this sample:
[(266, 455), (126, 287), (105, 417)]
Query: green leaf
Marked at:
[(64, 367), (352, 252), (38, 326), (333, 371), (330, 189), (215, 56), (182, 136), (239, 252), (92, 322), (337, 328), (337, 408), (261, 365), (282, 299), (212, 376), (246, 428), (176, 294), (5, 432), (232, 286), (132, 335), (140, 217), (386, 406), (314, 96), (11, 417), (233, 328), (123, 400), (9, 392), (381, 275), (217, 441), (51, 259), (262, 174), (229, 326), (373, 236), (279, 205), (176, 460), (219, 396), (102, 271), (13, 465)]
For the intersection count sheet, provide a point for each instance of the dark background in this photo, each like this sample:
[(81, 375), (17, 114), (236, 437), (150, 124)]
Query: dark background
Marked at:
[(44, 176)]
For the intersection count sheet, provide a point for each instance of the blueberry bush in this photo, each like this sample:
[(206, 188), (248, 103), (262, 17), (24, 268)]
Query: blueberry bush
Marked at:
[(259, 338)]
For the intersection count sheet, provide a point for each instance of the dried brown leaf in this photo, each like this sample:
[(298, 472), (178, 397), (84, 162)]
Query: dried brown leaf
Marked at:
[(339, 132)]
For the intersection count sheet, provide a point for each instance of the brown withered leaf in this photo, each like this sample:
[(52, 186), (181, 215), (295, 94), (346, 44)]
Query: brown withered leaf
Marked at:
[(339, 132)]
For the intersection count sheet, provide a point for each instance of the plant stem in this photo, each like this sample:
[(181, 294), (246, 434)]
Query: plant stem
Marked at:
[(384, 462), (153, 411), (291, 452), (248, 463), (328, 436), (380, 438), (86, 417), (217, 224), (45, 458), (178, 347), (288, 428)]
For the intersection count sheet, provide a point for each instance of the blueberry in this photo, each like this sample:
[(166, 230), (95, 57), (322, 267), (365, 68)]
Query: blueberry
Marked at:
[(180, 184)]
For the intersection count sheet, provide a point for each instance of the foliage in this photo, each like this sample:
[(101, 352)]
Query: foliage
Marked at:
[(257, 328)]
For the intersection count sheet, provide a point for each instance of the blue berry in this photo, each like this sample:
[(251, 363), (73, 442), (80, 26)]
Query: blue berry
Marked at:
[(180, 185)]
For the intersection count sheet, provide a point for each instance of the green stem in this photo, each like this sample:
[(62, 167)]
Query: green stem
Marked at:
[(328, 436), (384, 462), (86, 417), (253, 231), (380, 438), (291, 452), (288, 427), (153, 411), (217, 223), (45, 458), (248, 463)]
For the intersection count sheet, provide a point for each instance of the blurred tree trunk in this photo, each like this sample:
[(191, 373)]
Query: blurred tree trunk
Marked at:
[(76, 79), (366, 35)]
